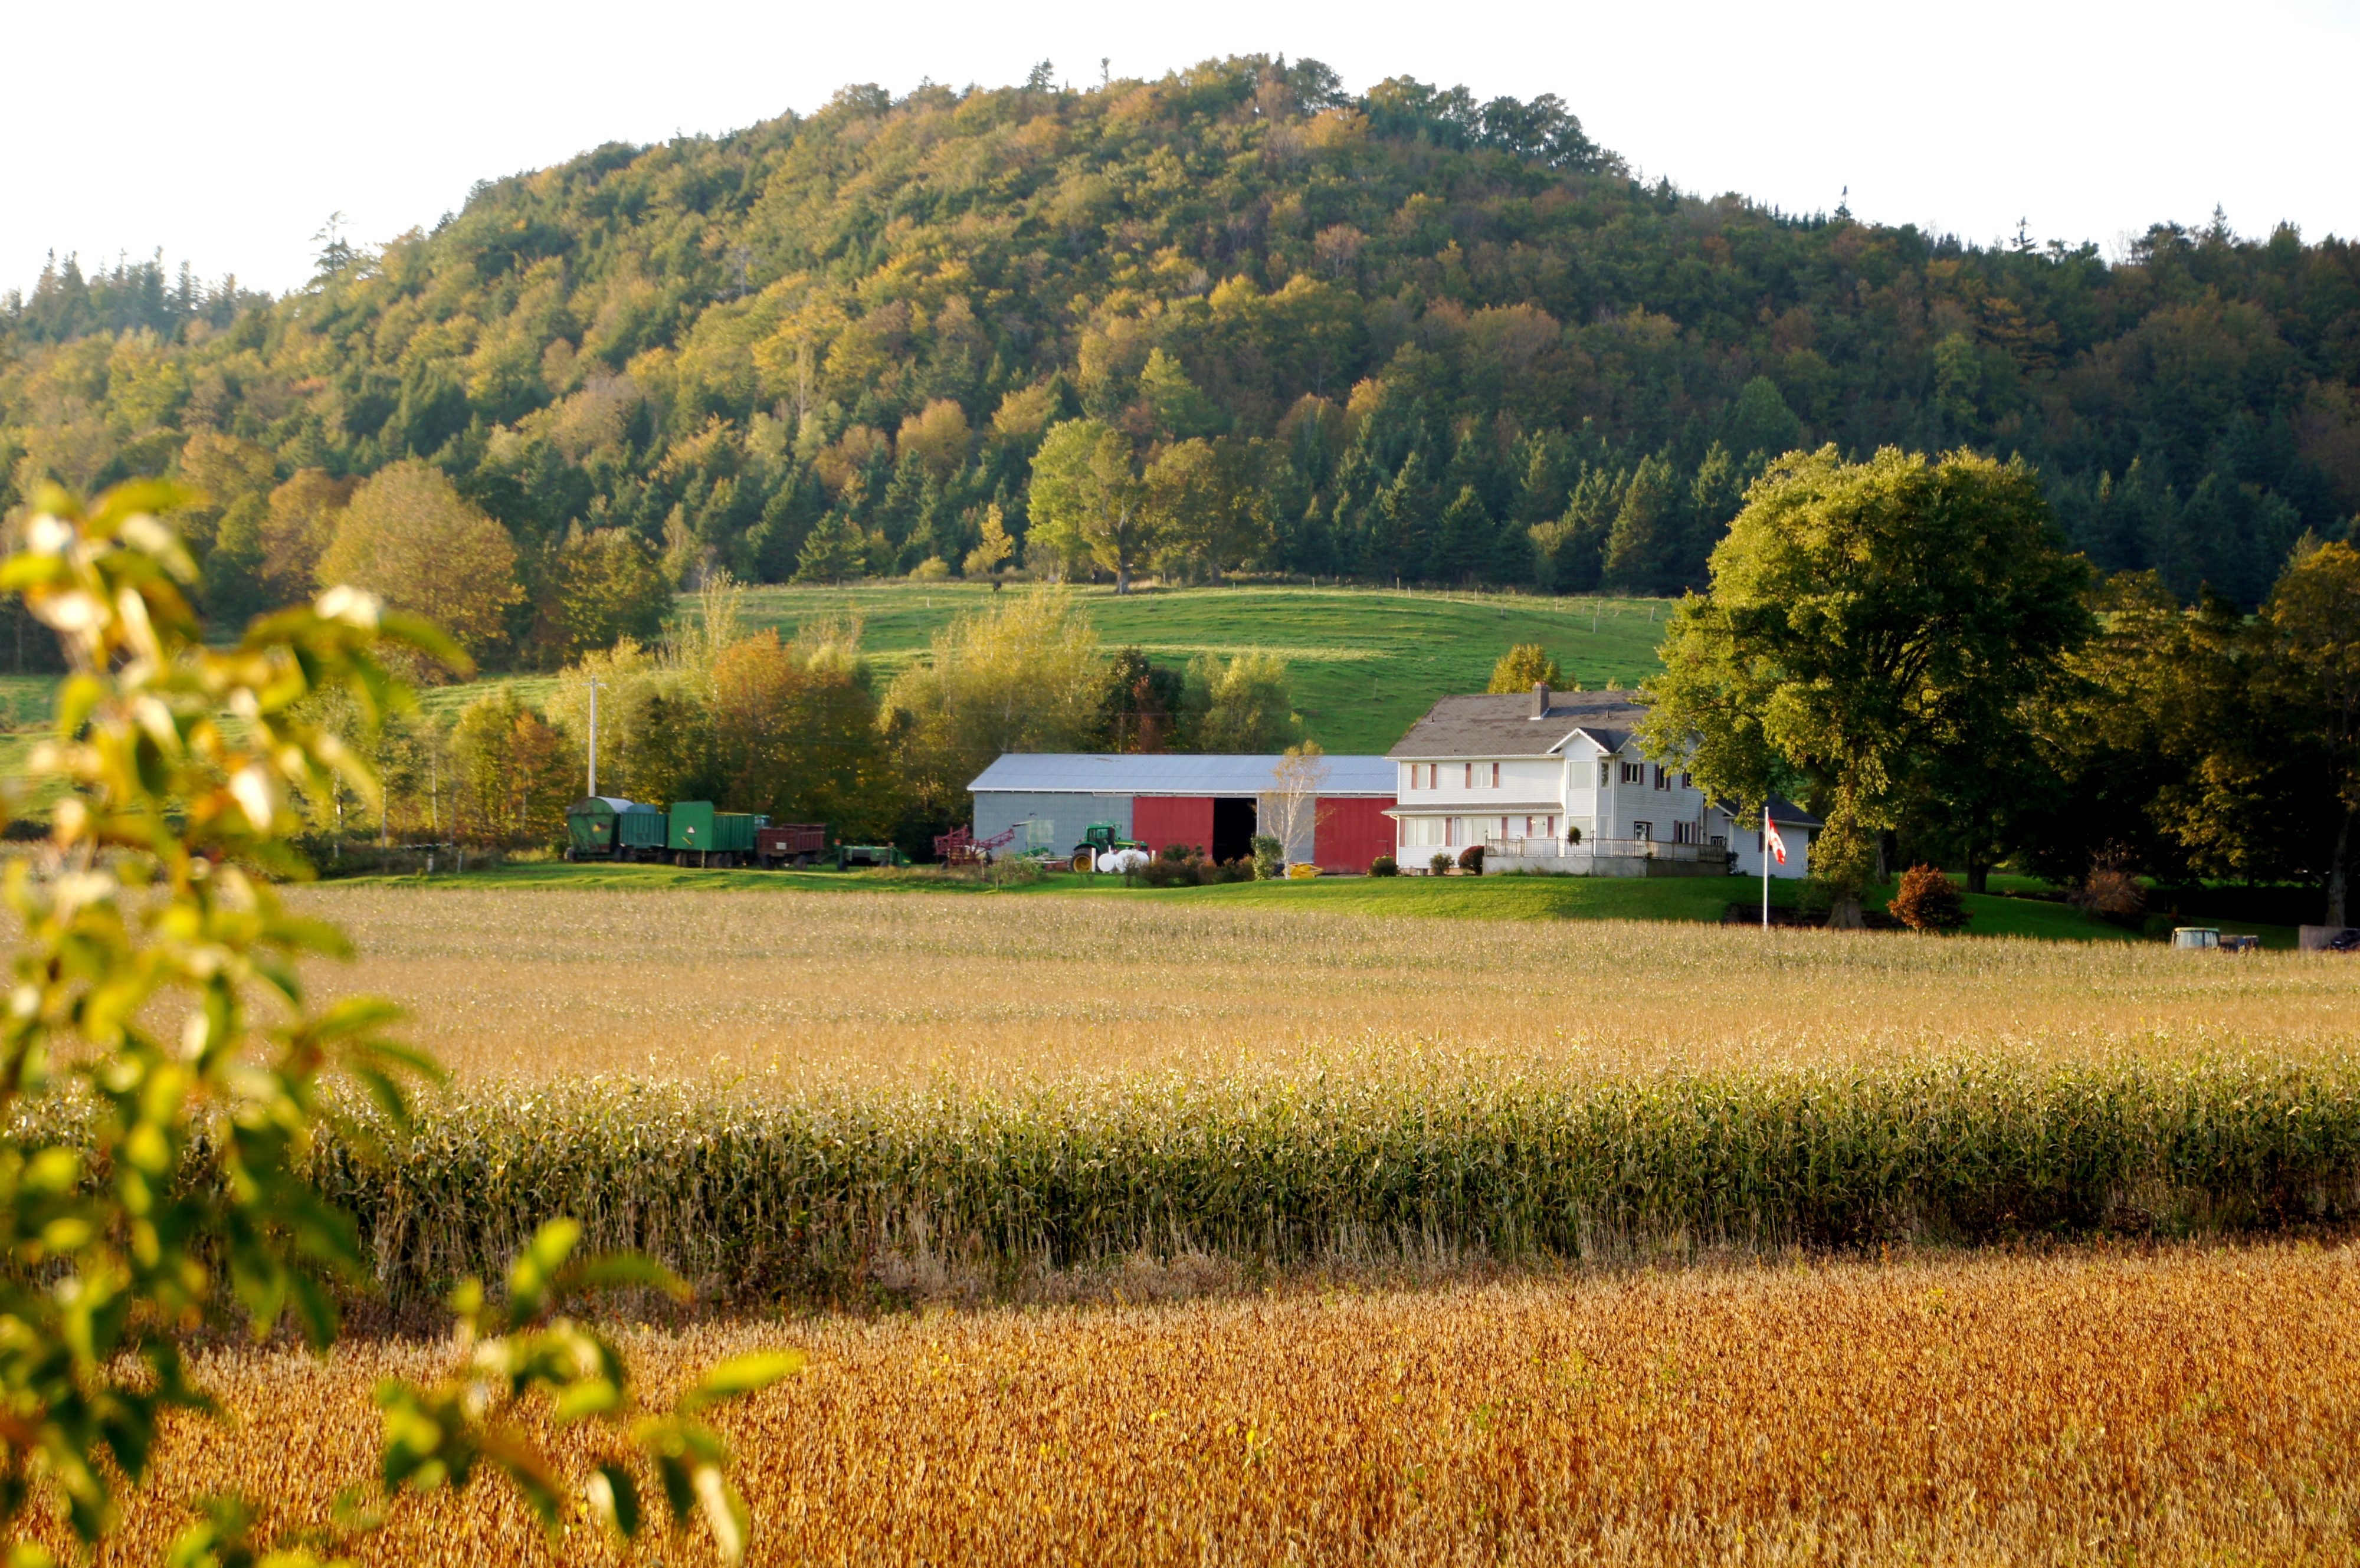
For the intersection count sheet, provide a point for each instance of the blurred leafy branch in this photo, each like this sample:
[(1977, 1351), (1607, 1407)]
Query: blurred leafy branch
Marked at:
[(183, 1206)]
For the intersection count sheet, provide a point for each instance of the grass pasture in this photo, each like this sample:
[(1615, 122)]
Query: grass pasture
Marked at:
[(1365, 662)]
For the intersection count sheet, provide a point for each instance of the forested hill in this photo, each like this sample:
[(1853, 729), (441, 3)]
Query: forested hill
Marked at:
[(1420, 337)]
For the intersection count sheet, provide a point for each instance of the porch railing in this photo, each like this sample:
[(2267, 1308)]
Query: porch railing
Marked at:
[(1610, 849)]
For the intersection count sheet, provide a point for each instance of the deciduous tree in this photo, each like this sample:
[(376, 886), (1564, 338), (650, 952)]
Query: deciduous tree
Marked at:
[(1089, 502), (2313, 625), (1023, 675), (1865, 622), (410, 537), (1240, 704), (1522, 666)]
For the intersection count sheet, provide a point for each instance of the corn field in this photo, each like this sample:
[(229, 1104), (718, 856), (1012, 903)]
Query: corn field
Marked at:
[(760, 1198), (2171, 1405)]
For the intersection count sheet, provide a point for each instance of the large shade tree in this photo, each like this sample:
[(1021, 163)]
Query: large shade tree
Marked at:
[(2313, 625), (1869, 627)]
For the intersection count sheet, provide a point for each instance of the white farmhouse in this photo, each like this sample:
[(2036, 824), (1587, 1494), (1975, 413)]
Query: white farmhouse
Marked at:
[(1554, 781)]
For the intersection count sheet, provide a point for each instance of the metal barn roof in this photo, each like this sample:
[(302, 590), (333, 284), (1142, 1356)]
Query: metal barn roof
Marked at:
[(1102, 773)]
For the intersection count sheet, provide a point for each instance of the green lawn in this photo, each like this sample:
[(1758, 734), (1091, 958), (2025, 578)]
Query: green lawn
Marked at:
[(1512, 897), (1366, 662)]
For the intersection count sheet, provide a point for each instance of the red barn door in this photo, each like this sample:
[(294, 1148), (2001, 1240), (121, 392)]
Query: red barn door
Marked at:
[(1159, 819), (1353, 831)]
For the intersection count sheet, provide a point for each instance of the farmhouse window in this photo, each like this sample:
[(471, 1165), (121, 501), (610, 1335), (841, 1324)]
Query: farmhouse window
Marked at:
[(1643, 831), (1422, 833), (1605, 774), (1663, 777), (1471, 776), (1688, 779), (1685, 833), (1634, 773)]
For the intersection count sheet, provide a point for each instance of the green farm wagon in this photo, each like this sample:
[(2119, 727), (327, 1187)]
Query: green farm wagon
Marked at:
[(699, 835), (603, 826)]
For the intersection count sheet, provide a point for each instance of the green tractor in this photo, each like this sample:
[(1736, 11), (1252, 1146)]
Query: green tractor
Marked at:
[(1101, 838)]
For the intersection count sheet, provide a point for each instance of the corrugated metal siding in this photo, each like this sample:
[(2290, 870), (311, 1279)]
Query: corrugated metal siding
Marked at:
[(997, 811), (1352, 833), (1159, 819)]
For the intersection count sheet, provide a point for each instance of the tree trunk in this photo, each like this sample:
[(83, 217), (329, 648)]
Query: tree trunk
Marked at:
[(1122, 577), (2338, 880), (1844, 913), (1978, 872)]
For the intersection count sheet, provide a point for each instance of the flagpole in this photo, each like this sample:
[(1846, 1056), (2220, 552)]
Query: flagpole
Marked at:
[(1765, 866)]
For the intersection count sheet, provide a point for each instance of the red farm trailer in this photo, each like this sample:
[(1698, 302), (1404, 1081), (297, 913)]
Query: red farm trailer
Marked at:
[(790, 843), (961, 847)]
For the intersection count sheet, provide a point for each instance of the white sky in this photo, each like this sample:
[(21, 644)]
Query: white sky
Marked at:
[(226, 133)]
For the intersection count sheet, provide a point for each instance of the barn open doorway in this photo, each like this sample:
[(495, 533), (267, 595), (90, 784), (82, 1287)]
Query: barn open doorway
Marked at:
[(1233, 827)]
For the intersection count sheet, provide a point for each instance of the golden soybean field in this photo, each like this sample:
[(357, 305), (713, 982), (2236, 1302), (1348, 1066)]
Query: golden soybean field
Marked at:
[(546, 983), (2115, 1402), (2178, 1406)]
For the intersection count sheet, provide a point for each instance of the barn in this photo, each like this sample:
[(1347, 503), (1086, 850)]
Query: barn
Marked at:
[(1217, 802)]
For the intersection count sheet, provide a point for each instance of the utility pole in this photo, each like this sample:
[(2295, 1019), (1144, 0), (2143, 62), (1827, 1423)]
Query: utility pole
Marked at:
[(594, 684)]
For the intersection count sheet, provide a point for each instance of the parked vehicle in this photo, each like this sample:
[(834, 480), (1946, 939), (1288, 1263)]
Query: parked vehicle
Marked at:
[(597, 828), (713, 838), (2207, 939), (961, 847), (790, 843), (1101, 838), (688, 833)]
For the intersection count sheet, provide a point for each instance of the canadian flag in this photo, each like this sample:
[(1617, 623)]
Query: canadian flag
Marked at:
[(1770, 836)]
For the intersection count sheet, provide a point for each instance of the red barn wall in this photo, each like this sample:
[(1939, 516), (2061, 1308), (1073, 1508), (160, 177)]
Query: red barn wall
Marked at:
[(1159, 819), (1353, 829)]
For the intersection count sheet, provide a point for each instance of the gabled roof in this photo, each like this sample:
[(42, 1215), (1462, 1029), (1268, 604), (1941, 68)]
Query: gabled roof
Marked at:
[(1783, 811), (1105, 773), (1502, 726)]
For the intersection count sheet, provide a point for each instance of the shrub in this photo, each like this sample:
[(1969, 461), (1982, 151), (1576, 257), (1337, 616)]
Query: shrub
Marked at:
[(934, 569), (1269, 854), (1383, 866), (1167, 873), (2110, 893), (1301, 869), (1441, 865), (1177, 852), (1230, 871), (1928, 901), (1572, 834), (1472, 859)]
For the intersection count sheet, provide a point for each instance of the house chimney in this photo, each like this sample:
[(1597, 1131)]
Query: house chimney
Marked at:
[(1540, 700)]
